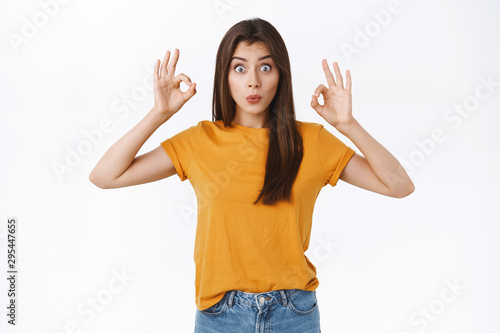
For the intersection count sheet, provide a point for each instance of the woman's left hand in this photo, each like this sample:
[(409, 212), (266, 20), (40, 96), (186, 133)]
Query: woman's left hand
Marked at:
[(337, 108)]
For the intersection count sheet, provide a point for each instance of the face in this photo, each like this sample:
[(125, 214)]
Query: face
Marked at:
[(252, 71)]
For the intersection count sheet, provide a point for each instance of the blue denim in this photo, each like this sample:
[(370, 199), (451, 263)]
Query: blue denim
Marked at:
[(277, 311)]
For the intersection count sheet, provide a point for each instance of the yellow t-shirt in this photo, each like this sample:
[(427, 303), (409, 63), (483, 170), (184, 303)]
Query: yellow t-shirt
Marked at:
[(238, 245)]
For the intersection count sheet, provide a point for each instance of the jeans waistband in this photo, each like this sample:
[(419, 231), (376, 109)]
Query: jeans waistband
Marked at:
[(260, 299)]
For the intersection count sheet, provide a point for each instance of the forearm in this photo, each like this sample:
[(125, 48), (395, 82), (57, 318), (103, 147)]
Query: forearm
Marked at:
[(121, 154), (381, 161)]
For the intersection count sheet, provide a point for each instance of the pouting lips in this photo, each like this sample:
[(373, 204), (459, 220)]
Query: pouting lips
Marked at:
[(253, 100)]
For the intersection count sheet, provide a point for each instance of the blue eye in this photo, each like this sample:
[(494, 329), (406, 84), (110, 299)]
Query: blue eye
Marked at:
[(265, 65)]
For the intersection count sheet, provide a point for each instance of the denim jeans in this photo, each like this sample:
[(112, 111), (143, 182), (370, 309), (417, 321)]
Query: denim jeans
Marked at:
[(277, 311)]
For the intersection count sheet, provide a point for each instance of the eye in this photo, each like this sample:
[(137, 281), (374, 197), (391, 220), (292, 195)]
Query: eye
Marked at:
[(263, 66)]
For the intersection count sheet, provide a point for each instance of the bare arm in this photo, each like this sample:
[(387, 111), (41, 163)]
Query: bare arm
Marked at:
[(119, 166), (379, 171)]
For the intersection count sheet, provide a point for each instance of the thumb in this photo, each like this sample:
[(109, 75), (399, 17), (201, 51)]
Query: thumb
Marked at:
[(190, 92), (316, 106)]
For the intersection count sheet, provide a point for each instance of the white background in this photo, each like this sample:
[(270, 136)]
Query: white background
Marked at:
[(382, 262)]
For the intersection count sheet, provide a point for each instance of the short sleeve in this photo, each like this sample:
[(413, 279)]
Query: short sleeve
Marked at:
[(180, 149), (333, 155)]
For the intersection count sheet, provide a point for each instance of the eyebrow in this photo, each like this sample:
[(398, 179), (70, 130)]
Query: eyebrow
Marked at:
[(243, 59)]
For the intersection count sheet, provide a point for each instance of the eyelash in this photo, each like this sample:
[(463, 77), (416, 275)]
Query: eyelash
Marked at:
[(236, 66)]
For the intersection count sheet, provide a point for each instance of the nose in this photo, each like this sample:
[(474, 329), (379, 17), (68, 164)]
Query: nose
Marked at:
[(253, 80)]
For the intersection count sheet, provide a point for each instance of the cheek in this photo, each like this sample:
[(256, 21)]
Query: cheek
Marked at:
[(233, 85), (275, 83), (277, 80), (274, 80)]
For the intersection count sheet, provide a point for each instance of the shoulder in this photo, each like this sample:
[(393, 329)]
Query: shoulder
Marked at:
[(308, 128), (209, 127), (191, 133), (308, 125), (205, 128), (318, 134), (200, 126)]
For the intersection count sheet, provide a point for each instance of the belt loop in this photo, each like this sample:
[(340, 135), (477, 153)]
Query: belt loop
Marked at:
[(231, 297), (284, 298)]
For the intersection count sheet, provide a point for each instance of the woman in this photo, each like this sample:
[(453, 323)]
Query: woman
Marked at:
[(256, 172)]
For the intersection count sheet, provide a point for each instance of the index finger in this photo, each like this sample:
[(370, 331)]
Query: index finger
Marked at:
[(173, 63), (339, 75), (163, 68), (328, 74)]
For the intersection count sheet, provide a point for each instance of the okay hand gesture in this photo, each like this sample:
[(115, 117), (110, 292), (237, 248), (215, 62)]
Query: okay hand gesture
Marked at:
[(167, 92), (337, 108)]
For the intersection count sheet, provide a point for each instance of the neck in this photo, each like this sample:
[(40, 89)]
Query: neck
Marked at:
[(255, 121)]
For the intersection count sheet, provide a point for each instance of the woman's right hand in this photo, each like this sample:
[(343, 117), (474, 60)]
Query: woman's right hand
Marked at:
[(168, 95)]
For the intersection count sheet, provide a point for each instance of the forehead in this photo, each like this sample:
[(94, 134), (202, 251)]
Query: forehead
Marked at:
[(248, 51)]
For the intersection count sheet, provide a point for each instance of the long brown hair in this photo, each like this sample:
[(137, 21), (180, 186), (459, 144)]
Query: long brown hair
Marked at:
[(285, 142)]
